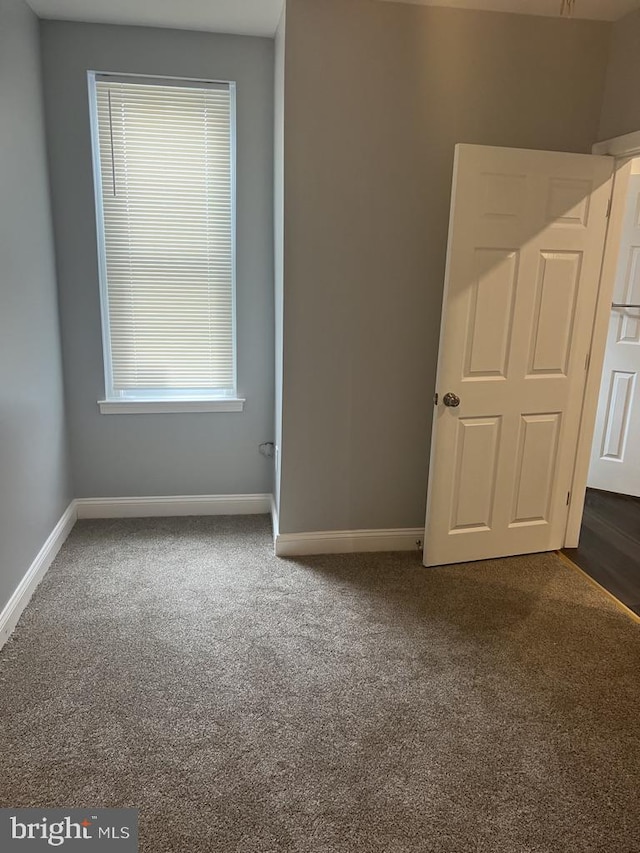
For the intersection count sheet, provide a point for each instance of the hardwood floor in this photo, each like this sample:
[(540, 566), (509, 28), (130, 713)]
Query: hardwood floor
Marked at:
[(609, 549)]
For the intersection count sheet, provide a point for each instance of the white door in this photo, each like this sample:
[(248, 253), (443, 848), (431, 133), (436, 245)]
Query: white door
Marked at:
[(526, 237), (615, 457)]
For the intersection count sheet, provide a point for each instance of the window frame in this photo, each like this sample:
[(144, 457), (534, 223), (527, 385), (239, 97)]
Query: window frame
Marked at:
[(158, 400)]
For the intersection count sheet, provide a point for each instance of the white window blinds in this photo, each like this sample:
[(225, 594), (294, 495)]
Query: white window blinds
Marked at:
[(166, 199)]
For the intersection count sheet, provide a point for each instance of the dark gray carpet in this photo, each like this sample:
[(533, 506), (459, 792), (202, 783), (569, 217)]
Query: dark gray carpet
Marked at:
[(322, 705)]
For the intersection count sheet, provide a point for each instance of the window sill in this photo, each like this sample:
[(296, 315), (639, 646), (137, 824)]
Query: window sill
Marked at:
[(156, 407)]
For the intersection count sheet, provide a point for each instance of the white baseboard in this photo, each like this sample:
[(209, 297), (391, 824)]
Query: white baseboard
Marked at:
[(348, 541), (286, 545), (174, 505), (36, 571)]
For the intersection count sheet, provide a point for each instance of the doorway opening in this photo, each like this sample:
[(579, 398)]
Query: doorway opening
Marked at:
[(609, 543)]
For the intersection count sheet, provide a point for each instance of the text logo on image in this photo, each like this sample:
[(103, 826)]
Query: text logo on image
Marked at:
[(77, 830)]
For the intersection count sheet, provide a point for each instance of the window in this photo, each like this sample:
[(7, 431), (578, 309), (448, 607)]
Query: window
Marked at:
[(165, 198)]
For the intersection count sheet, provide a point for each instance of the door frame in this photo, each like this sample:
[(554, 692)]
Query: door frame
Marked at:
[(623, 149)]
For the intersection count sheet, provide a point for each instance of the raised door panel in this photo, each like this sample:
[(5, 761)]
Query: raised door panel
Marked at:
[(477, 444), (629, 325), (502, 195), (490, 314), (554, 313), (568, 202), (616, 428), (537, 451)]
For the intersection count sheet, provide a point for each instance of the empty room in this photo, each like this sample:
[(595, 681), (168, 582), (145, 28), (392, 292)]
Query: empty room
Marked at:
[(319, 417)]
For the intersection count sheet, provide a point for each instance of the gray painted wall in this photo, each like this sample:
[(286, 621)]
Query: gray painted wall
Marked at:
[(621, 104), (212, 453), (377, 95), (34, 482)]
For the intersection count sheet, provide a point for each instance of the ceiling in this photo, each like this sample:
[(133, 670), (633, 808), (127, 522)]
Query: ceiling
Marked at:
[(602, 10), (260, 17), (246, 17)]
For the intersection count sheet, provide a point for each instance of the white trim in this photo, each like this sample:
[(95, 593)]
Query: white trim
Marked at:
[(348, 541), (149, 407), (620, 146), (112, 407), (275, 523), (36, 571), (597, 353), (149, 507), (100, 241), (233, 137)]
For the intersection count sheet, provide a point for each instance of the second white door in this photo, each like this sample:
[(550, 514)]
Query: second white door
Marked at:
[(615, 456)]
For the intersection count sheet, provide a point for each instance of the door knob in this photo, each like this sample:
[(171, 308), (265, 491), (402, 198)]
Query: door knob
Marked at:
[(451, 400)]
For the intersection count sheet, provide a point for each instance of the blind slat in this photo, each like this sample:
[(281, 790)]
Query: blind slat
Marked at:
[(165, 163)]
